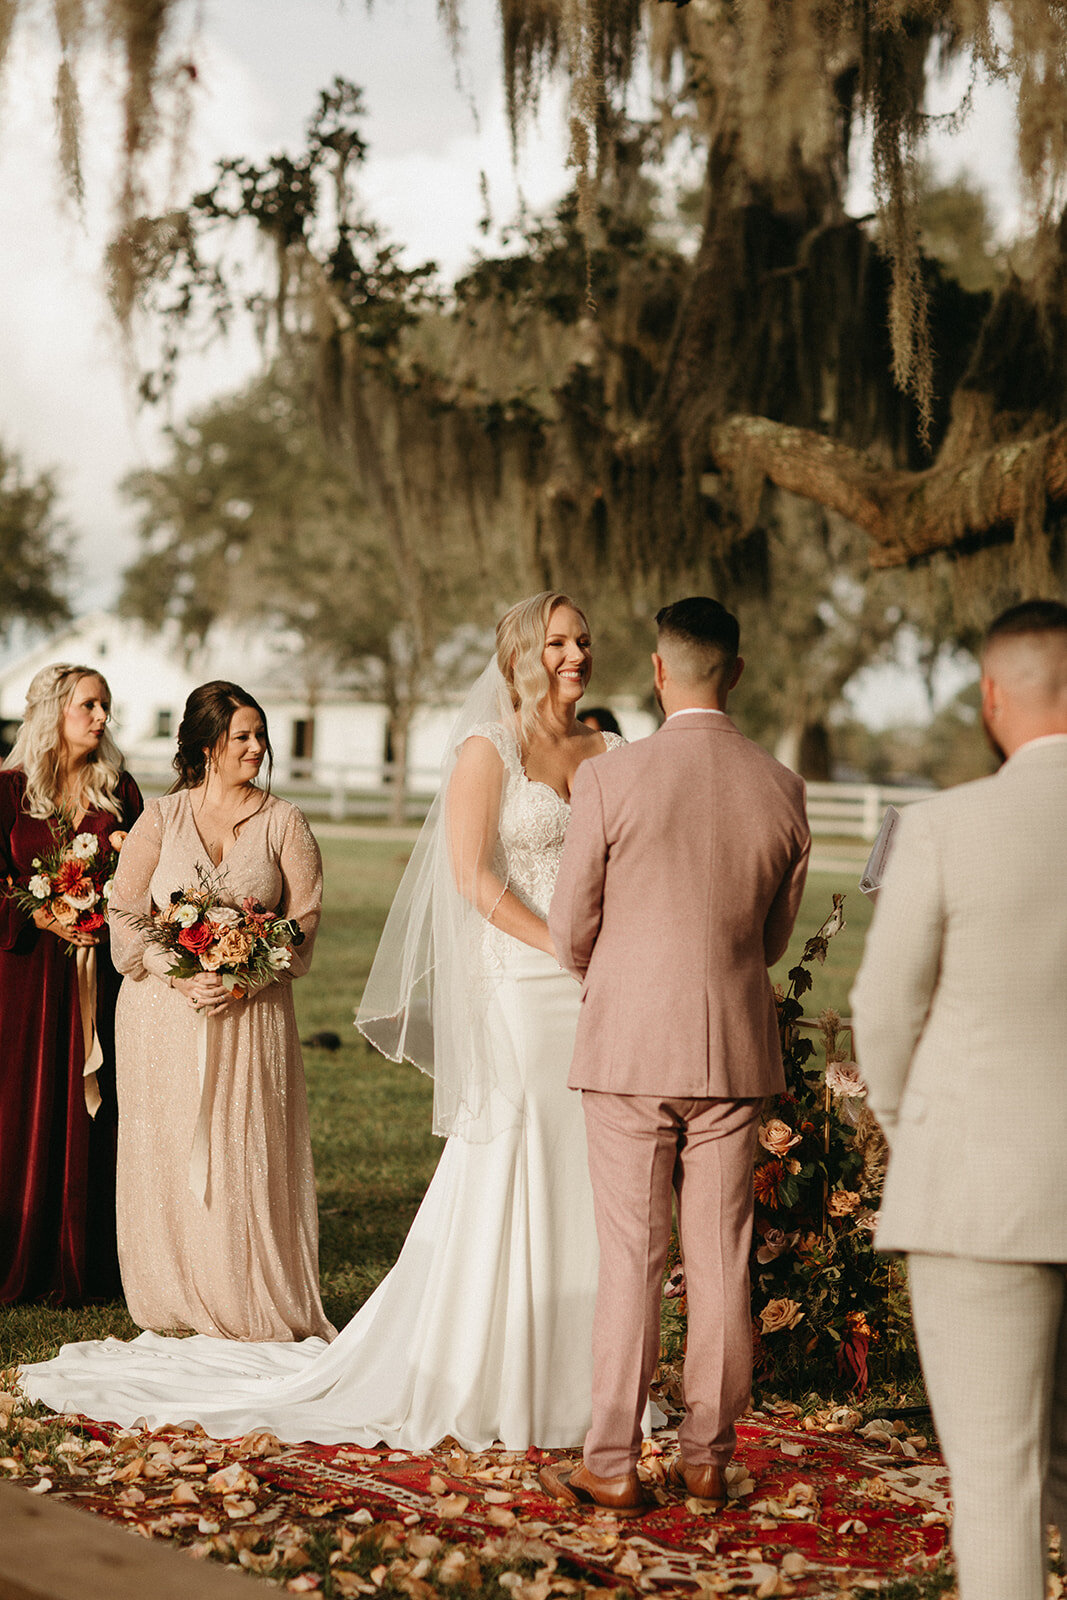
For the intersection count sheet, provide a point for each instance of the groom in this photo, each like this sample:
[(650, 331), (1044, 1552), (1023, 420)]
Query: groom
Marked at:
[(681, 878)]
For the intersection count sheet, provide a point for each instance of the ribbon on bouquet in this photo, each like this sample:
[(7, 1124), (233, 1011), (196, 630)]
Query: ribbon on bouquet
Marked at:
[(200, 1154), (85, 959)]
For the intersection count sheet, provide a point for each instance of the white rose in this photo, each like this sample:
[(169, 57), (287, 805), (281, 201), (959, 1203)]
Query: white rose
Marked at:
[(108, 887), (224, 916), (84, 846), (279, 958), (39, 887), (843, 1079), (185, 915)]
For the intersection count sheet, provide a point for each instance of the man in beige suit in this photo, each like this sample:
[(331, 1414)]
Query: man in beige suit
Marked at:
[(961, 1024), (680, 881)]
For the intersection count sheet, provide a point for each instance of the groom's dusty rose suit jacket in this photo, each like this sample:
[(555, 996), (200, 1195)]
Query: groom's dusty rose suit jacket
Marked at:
[(681, 878)]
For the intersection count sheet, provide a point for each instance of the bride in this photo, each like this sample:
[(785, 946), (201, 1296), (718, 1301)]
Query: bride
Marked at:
[(482, 1329)]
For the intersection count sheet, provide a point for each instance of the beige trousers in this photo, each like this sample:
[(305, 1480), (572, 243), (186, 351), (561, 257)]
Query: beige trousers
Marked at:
[(992, 1337), (642, 1152)]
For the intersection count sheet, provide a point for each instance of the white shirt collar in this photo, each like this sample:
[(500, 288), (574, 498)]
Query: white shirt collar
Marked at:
[(696, 711)]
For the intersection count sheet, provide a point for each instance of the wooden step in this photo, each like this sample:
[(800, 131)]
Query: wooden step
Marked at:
[(51, 1551)]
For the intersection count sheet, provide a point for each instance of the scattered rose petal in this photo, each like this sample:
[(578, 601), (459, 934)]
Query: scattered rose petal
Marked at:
[(424, 1544), (303, 1583), (236, 1508), (452, 1505)]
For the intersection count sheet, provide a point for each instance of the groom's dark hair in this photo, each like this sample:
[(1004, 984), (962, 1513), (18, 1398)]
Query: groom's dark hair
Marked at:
[(703, 625), (1029, 616)]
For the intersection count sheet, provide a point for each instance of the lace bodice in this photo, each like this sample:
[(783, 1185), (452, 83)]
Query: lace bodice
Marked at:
[(533, 823)]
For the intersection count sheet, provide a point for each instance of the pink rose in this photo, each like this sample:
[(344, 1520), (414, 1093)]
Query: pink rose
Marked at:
[(843, 1079), (777, 1136), (775, 1244)]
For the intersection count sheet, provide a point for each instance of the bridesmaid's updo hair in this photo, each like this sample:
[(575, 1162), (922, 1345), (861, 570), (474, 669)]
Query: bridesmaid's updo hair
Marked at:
[(520, 644), (38, 747), (205, 726)]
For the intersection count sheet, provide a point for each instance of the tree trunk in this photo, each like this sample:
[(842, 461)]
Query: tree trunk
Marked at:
[(397, 732)]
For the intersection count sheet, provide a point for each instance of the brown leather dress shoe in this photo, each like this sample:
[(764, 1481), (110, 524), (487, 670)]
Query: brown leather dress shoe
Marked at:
[(577, 1486), (703, 1483)]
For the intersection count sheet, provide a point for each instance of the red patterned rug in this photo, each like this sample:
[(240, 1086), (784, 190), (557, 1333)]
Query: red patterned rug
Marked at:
[(814, 1511)]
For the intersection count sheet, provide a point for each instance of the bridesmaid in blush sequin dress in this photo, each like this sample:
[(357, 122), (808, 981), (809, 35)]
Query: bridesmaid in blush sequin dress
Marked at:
[(240, 1262)]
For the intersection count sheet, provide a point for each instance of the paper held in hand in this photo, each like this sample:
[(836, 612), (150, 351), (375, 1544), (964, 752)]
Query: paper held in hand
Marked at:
[(874, 871)]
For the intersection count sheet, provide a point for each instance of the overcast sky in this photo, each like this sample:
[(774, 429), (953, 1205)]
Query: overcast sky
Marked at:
[(65, 401)]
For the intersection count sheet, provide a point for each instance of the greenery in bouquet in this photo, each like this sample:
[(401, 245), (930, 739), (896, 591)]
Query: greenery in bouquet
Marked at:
[(825, 1305), (71, 881), (202, 931)]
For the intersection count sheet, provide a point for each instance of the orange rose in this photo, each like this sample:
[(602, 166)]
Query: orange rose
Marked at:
[(232, 947), (843, 1202), (779, 1314), (117, 839)]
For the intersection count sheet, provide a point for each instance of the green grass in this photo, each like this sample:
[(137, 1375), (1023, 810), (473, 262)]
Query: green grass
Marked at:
[(370, 1120)]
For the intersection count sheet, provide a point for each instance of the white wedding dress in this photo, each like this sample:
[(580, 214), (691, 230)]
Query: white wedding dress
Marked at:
[(482, 1330)]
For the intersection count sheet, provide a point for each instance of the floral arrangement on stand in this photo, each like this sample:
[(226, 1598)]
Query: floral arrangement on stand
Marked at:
[(247, 948), (824, 1304), (72, 881), (822, 1299)]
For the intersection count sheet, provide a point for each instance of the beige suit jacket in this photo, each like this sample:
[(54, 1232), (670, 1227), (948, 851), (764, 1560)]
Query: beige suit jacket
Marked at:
[(681, 878), (961, 1017)]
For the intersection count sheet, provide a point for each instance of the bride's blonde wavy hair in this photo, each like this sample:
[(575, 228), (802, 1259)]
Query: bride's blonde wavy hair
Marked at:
[(38, 747), (520, 644)]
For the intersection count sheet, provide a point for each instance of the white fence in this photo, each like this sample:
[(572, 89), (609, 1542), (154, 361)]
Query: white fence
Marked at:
[(345, 792), (342, 792), (855, 810)]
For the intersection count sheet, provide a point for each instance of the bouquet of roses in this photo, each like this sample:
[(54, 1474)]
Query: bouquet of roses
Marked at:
[(72, 881), (247, 948)]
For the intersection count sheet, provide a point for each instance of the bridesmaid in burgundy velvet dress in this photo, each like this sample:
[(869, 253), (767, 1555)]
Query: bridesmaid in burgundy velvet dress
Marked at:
[(57, 1164)]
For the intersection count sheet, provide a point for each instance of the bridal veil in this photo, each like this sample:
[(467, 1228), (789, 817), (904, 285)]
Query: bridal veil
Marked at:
[(429, 996)]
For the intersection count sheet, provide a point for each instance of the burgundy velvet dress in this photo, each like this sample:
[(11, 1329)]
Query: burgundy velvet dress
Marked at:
[(57, 1165)]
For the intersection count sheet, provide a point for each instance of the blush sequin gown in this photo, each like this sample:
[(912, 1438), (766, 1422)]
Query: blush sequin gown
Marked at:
[(243, 1263)]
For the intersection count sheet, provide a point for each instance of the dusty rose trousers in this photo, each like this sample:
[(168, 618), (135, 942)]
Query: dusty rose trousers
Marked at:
[(644, 1151)]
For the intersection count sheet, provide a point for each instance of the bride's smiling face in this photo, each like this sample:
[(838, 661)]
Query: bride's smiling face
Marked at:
[(568, 655)]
